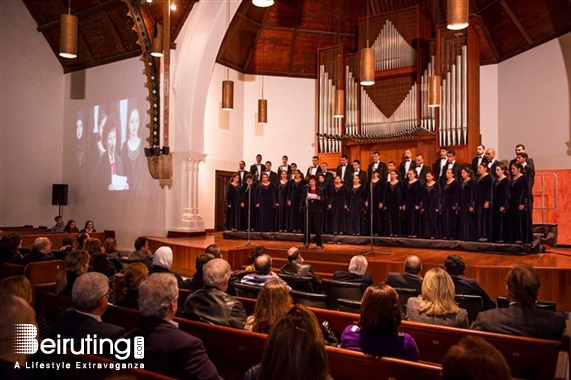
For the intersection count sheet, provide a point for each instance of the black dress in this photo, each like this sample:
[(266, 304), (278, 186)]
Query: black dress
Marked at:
[(314, 209), (295, 209), (467, 218), (378, 189), (394, 201), (282, 211), (450, 202), (248, 203), (266, 203), (484, 193), (411, 213), (233, 200), (501, 222), (356, 208), (338, 209), (429, 204), (326, 189), (520, 219)]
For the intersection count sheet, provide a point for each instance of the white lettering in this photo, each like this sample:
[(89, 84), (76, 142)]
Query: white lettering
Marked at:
[(48, 346), (17, 365)]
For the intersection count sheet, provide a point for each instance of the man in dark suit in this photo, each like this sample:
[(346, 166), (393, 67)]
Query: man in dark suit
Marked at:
[(356, 273), (391, 167), (326, 173), (480, 157), (359, 173), (168, 350), (345, 171), (456, 268), (293, 170), (257, 169), (440, 164), (41, 251), (406, 165), (410, 279), (521, 317), (520, 148), (453, 165), (492, 162), (242, 173), (273, 177), (314, 169), (284, 167), (420, 168), (529, 172), (377, 166), (295, 266), (90, 297)]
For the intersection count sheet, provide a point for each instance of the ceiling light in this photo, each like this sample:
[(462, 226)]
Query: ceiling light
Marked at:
[(458, 14), (263, 3)]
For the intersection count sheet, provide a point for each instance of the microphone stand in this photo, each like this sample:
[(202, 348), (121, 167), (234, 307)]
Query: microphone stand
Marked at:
[(371, 249), (248, 243)]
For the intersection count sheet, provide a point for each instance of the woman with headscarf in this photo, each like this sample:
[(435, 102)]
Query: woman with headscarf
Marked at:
[(162, 263)]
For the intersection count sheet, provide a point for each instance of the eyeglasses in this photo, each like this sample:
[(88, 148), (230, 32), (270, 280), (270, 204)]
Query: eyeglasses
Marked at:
[(110, 291)]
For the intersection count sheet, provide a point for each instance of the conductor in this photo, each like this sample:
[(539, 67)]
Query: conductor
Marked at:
[(314, 199)]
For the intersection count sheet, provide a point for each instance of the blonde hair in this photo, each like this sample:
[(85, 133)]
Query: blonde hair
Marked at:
[(438, 292), (73, 262), (18, 286), (135, 274)]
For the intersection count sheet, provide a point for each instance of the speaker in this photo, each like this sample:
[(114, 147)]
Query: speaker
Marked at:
[(59, 194)]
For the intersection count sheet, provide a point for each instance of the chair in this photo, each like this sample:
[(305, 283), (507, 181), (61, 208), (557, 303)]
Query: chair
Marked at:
[(473, 305), (543, 305), (246, 291), (299, 283), (309, 299), (404, 295), (502, 302), (341, 289), (349, 306)]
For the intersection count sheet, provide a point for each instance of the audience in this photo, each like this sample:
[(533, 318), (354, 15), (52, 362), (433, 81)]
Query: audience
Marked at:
[(411, 278), (263, 274), (257, 251), (295, 266), (357, 268), (99, 261), (67, 244), (168, 350), (76, 263), (377, 331), (135, 274), (294, 350), (521, 317), (10, 249), (81, 238), (90, 297), (59, 226), (273, 302), (89, 227), (71, 226), (456, 267), (196, 282), (436, 304), (142, 252), (474, 359), (211, 303), (111, 250), (162, 263), (215, 250), (41, 251)]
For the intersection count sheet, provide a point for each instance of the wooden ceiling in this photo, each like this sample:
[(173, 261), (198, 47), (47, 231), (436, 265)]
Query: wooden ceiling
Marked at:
[(284, 39)]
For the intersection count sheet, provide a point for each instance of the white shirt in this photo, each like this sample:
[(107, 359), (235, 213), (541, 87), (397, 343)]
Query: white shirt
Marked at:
[(480, 158), (451, 164), (406, 166), (343, 168), (313, 170), (418, 169)]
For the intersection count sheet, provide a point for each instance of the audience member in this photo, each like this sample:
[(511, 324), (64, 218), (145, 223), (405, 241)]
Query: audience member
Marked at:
[(76, 263), (257, 251), (377, 331), (67, 244), (99, 261), (81, 238), (162, 263), (474, 359), (142, 252), (295, 266), (411, 278), (10, 249), (215, 250), (59, 226), (41, 251), (294, 350), (111, 250), (196, 282), (89, 227), (135, 274), (90, 297), (273, 302), (168, 350), (71, 226), (211, 303), (357, 268), (263, 274), (436, 304), (456, 267), (521, 317)]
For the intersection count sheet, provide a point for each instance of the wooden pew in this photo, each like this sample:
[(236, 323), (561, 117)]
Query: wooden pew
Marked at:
[(8, 269)]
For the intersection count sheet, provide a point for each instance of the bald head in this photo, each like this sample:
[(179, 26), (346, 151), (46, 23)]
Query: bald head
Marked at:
[(292, 254), (263, 264), (412, 265), (43, 245), (490, 154)]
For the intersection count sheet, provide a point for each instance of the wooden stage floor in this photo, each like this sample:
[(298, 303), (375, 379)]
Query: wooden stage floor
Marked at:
[(553, 266)]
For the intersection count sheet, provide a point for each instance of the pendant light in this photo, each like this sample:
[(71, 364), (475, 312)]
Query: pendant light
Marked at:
[(157, 45), (457, 14), (367, 61), (263, 3), (262, 103), (68, 34), (227, 85), (339, 106)]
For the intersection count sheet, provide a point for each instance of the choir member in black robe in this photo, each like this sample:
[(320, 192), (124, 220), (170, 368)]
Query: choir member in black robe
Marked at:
[(338, 207), (249, 212), (394, 201), (296, 203), (467, 216), (266, 204), (519, 207), (233, 200), (374, 203), (501, 220), (325, 186), (314, 196), (430, 208), (411, 207), (282, 198), (483, 199), (450, 202), (356, 207)]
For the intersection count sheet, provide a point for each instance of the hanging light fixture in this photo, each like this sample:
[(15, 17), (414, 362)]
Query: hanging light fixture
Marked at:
[(339, 105), (263, 3), (367, 61), (339, 109), (68, 34), (458, 14), (157, 46), (262, 103), (227, 85), (434, 91)]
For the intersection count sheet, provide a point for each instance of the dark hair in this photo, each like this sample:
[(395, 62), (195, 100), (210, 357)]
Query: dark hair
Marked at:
[(293, 164), (520, 146), (249, 176), (517, 165), (357, 161), (452, 152), (376, 152), (455, 265), (523, 284), (140, 242), (92, 246), (82, 237), (202, 259), (258, 155), (263, 264), (311, 177), (523, 155), (443, 148), (344, 156), (316, 157), (482, 145), (68, 226), (58, 217), (268, 162), (257, 251), (284, 156), (380, 310), (68, 240), (502, 166), (9, 245), (86, 223), (214, 249), (420, 155), (485, 167), (468, 170), (414, 172), (391, 162)]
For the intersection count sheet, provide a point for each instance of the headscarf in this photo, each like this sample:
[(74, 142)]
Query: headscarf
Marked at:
[(163, 257)]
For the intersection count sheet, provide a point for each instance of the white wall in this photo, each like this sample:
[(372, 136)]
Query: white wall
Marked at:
[(489, 107)]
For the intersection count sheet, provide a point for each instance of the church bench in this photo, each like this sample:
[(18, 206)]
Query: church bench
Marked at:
[(88, 374), (8, 269)]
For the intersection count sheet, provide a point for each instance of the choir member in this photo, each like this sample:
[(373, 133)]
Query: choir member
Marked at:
[(502, 189), (440, 165), (282, 201), (326, 187), (430, 207), (314, 169), (338, 207), (285, 166), (233, 201), (374, 204), (295, 203), (314, 198), (406, 164), (355, 207), (377, 166), (326, 174), (519, 206), (257, 168), (249, 212), (483, 197), (265, 203), (358, 172), (411, 207), (450, 202), (467, 220), (394, 201)]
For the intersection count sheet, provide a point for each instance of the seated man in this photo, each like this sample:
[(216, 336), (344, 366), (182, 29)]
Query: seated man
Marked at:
[(81, 239), (42, 251), (90, 296), (356, 273), (196, 281), (263, 274), (410, 279), (168, 350), (295, 266), (59, 226), (211, 303), (215, 250), (521, 317), (142, 252), (456, 267)]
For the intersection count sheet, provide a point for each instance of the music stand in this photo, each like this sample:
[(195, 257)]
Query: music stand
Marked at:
[(371, 249), (249, 242)]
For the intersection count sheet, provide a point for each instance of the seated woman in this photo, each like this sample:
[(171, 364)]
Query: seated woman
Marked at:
[(162, 262), (436, 304), (75, 263), (377, 331), (99, 260), (273, 302), (71, 226), (111, 249), (89, 228), (135, 274), (67, 244)]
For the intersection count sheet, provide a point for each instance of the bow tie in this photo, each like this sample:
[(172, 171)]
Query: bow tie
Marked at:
[(407, 160)]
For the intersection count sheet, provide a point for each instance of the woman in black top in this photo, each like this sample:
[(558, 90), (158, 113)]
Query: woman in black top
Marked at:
[(502, 189), (338, 207), (450, 202), (314, 197), (519, 206), (467, 217), (248, 210), (295, 203), (355, 207), (374, 204), (135, 274), (483, 198), (281, 204), (411, 207), (233, 203), (394, 201), (430, 208), (266, 204)]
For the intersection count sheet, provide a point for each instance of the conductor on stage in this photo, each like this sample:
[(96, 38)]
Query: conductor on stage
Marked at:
[(314, 196)]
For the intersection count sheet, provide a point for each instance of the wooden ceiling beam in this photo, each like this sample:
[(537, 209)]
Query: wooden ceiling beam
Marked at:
[(115, 34), (87, 12), (516, 22), (488, 37)]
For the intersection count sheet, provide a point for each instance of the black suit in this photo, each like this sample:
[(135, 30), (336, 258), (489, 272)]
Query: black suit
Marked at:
[(529, 172), (272, 176), (470, 286), (404, 280), (381, 169), (328, 177), (456, 169), (362, 176), (314, 215), (475, 164), (439, 177), (35, 256), (72, 324), (254, 171), (316, 172), (287, 169), (295, 268), (242, 175), (422, 175), (529, 162), (365, 280), (348, 177), (403, 172)]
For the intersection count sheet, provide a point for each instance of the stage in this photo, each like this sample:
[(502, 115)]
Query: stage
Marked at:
[(490, 269)]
